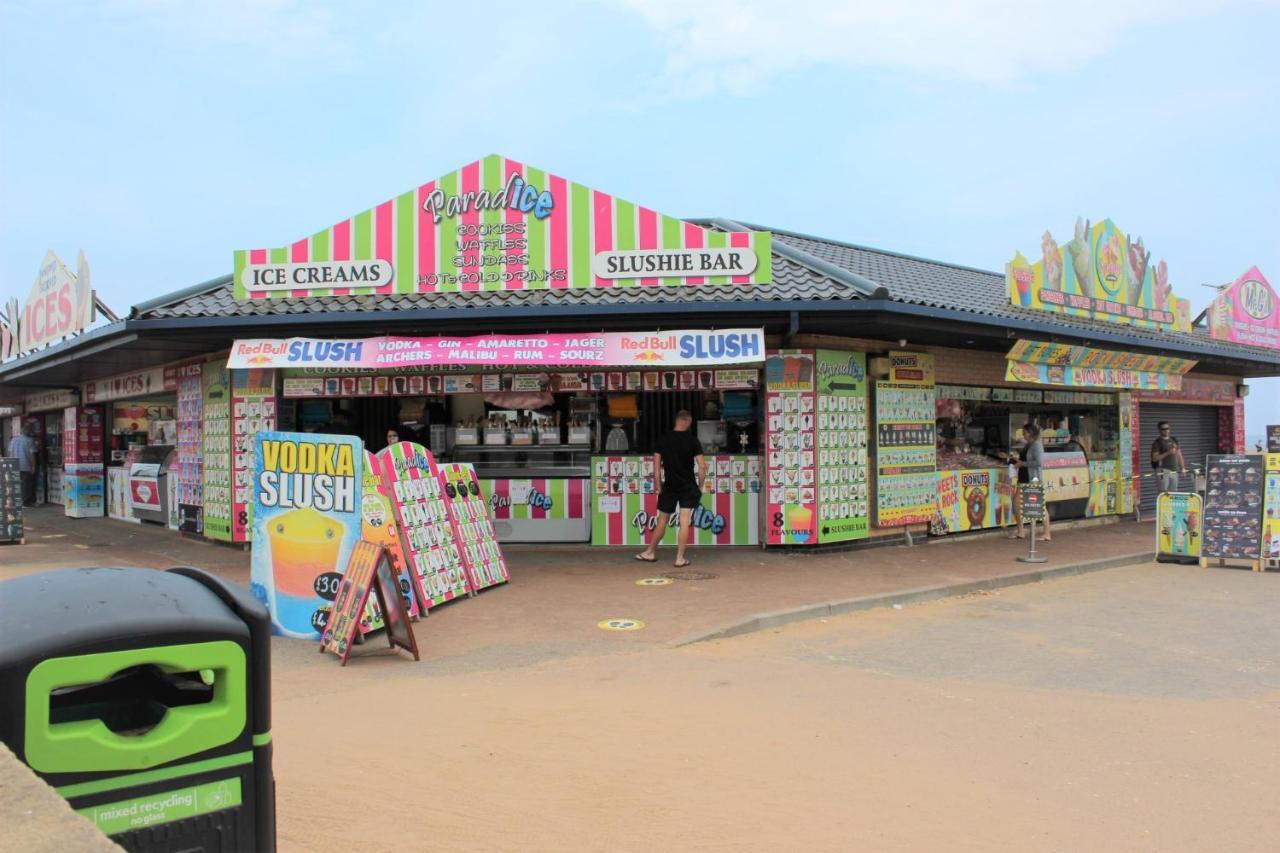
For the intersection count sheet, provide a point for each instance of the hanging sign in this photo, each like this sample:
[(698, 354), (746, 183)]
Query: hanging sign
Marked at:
[(1068, 365), (1100, 274), (1247, 312), (498, 224), (688, 347), (306, 519)]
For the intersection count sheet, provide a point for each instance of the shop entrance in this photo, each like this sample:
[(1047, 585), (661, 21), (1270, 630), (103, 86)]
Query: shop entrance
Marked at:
[(1195, 427)]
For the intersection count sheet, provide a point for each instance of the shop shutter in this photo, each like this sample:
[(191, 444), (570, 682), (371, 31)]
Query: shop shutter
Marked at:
[(1195, 427)]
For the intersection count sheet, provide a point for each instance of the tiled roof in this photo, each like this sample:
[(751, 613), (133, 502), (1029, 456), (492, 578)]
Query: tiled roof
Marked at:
[(935, 284), (791, 281), (909, 280)]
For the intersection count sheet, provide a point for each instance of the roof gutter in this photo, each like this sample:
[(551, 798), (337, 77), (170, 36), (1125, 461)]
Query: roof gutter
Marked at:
[(776, 308)]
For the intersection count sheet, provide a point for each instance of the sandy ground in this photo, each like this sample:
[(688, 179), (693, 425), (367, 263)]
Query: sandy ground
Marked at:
[(1118, 711)]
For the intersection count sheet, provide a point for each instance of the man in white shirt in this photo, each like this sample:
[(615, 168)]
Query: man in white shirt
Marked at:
[(23, 448)]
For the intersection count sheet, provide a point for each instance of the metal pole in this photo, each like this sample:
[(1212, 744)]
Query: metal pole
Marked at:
[(1032, 556)]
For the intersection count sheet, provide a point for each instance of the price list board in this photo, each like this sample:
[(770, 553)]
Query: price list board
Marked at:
[(906, 452), (253, 411), (423, 523), (842, 425), (1233, 507), (469, 512), (10, 500), (215, 438), (791, 475), (190, 450), (378, 525)]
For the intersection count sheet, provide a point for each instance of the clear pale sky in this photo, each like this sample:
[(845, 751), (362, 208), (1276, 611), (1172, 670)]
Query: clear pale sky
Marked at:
[(159, 135)]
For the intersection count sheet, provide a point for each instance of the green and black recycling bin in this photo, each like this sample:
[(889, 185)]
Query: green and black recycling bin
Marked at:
[(143, 698)]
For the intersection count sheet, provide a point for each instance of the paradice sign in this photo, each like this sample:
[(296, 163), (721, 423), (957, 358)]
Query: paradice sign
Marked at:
[(498, 224)]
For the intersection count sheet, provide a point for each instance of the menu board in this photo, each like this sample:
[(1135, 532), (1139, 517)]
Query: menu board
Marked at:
[(215, 438), (842, 436), (253, 412), (188, 469), (1233, 506), (1271, 509), (469, 512), (378, 525), (423, 523), (906, 455), (626, 502), (791, 495), (10, 500)]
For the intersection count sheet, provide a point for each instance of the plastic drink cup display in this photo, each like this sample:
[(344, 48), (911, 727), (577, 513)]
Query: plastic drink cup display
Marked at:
[(801, 520), (304, 544)]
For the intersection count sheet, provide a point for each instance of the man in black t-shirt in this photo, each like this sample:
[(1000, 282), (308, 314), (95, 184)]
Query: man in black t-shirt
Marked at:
[(1166, 458), (678, 453)]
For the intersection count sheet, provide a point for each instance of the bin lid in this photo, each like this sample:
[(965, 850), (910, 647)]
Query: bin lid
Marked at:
[(49, 614)]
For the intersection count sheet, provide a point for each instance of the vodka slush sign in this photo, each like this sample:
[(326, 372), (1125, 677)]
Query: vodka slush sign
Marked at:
[(689, 347), (1101, 274), (498, 224), (1247, 312), (59, 304)]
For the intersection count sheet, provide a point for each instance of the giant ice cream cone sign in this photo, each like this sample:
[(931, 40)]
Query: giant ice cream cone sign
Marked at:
[(1100, 273)]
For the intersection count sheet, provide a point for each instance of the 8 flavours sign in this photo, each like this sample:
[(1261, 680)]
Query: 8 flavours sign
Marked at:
[(790, 449), (498, 224)]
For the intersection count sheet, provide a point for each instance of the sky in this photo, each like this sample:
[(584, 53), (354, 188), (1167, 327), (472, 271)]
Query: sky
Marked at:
[(160, 135)]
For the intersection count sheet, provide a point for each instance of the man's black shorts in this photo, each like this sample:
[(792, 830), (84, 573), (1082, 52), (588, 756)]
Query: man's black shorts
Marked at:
[(686, 498)]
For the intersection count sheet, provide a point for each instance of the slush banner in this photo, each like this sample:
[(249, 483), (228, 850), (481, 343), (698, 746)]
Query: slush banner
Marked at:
[(691, 347), (306, 519)]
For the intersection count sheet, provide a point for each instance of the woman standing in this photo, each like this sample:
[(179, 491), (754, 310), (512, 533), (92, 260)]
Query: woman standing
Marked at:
[(1030, 465)]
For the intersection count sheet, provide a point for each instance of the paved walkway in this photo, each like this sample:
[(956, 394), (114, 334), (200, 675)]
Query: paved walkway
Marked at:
[(558, 594)]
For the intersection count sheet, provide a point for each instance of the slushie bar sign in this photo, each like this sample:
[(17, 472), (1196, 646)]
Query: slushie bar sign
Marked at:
[(688, 347), (498, 224)]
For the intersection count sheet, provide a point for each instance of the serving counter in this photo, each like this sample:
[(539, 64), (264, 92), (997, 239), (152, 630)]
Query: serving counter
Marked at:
[(624, 501)]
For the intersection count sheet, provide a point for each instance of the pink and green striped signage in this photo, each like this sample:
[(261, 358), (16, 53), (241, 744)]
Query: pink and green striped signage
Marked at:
[(542, 498), (625, 504), (498, 224)]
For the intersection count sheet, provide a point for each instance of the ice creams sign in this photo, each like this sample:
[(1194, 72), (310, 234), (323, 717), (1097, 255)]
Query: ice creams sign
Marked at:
[(498, 224)]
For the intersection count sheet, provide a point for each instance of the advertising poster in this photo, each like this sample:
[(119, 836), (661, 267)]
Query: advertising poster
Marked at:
[(843, 430), (1178, 518), (791, 448), (626, 502), (1101, 273), (1233, 506), (306, 493), (253, 411), (216, 440), (499, 224), (188, 469), (378, 525), (1129, 462), (975, 499), (469, 512), (1246, 312), (10, 500), (906, 454), (426, 532), (351, 602), (1271, 509)]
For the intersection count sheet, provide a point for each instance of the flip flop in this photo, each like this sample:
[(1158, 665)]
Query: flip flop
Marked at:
[(680, 564), (642, 558)]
